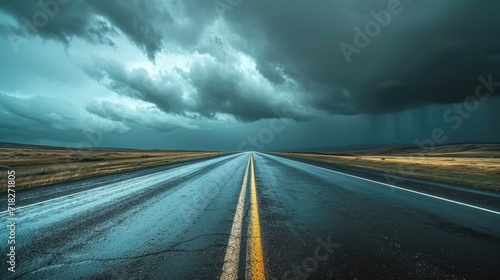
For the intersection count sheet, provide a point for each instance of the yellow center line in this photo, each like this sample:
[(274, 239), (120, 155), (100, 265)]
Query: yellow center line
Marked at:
[(257, 261)]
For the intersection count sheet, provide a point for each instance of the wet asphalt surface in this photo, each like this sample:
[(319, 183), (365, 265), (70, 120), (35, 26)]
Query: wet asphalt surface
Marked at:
[(174, 223)]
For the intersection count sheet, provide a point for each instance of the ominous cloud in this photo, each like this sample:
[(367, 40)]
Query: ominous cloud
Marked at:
[(426, 53), (149, 24), (165, 64), (48, 114), (208, 90)]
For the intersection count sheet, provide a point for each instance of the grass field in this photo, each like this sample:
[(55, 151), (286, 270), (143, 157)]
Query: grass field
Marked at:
[(475, 165), (39, 166)]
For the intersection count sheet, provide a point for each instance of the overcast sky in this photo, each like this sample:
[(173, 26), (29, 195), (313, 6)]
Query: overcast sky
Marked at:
[(249, 74)]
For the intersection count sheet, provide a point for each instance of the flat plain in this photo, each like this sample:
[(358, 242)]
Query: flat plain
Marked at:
[(41, 165), (474, 165)]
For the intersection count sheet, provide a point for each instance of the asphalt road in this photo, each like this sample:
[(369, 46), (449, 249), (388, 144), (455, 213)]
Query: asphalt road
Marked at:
[(238, 216)]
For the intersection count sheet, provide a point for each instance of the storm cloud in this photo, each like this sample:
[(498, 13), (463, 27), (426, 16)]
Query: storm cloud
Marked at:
[(428, 52), (191, 64)]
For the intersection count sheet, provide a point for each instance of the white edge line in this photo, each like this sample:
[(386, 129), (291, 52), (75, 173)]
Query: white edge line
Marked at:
[(396, 187), (231, 260)]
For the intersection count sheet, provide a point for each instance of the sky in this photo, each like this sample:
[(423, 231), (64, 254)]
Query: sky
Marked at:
[(249, 75)]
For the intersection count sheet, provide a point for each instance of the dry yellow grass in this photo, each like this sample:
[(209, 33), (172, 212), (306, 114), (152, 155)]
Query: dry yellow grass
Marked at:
[(473, 168), (39, 167)]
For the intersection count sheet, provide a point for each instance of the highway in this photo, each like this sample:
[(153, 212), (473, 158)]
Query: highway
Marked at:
[(251, 216)]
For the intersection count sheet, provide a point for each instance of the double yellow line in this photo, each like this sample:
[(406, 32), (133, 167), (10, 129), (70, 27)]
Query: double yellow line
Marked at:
[(255, 268)]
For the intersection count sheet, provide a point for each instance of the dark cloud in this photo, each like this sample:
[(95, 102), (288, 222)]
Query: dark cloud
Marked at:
[(217, 89), (38, 114), (148, 24), (427, 53), (101, 32), (55, 21), (165, 93), (141, 21), (182, 64), (120, 113), (434, 51), (222, 89)]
